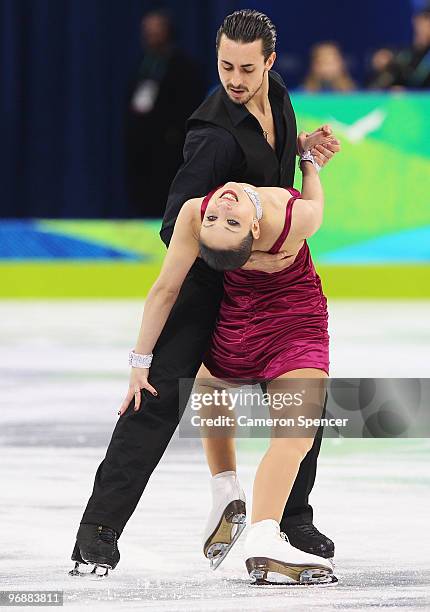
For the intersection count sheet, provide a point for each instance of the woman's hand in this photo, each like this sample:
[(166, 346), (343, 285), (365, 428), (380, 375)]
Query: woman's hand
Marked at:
[(269, 262), (138, 381), (321, 143)]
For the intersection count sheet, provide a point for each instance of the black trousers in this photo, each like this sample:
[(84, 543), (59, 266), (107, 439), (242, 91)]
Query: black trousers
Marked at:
[(140, 438)]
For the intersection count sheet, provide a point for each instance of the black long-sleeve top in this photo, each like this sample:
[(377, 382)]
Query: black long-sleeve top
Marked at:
[(211, 157)]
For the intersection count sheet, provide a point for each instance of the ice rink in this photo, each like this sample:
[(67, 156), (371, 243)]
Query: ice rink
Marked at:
[(64, 373)]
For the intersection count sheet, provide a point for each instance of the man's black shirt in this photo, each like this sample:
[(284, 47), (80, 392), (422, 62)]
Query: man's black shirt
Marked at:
[(212, 157)]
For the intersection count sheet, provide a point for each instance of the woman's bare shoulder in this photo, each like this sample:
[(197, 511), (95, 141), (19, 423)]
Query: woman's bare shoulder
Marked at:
[(190, 214), (192, 208), (274, 194)]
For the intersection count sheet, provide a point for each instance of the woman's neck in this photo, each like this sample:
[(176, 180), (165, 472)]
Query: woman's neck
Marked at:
[(271, 223)]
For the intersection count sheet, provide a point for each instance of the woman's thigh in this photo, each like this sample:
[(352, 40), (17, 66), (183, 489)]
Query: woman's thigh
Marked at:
[(212, 395), (297, 402)]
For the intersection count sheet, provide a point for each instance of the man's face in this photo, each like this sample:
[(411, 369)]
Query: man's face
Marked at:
[(241, 68), (155, 31), (421, 25)]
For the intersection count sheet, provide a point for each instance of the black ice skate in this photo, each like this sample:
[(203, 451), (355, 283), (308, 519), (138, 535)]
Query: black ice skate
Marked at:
[(306, 537), (95, 545)]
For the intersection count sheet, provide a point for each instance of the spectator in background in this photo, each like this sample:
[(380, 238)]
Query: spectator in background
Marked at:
[(409, 68), (381, 74), (166, 90), (412, 66), (327, 71)]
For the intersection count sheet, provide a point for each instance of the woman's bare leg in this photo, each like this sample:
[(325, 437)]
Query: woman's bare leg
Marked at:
[(279, 467), (220, 449)]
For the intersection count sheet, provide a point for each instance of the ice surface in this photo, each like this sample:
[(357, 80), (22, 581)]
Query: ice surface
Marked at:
[(64, 372)]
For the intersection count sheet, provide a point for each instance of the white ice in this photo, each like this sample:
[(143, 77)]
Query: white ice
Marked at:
[(63, 374)]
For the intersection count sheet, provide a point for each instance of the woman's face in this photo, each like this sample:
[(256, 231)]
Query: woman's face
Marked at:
[(229, 217)]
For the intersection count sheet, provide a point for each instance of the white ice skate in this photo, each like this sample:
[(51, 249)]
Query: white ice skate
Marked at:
[(270, 558), (227, 517)]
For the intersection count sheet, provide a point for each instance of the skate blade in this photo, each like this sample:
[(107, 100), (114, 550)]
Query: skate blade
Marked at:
[(98, 571), (76, 570), (272, 580), (263, 570), (222, 539), (218, 552)]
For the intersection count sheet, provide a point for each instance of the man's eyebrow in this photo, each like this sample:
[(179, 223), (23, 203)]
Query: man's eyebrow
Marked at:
[(242, 65)]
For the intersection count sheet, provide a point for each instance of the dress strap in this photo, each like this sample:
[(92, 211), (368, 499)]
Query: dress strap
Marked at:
[(206, 201), (287, 225)]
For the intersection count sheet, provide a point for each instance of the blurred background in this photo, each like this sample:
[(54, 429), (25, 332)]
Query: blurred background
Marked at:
[(94, 95), (93, 101)]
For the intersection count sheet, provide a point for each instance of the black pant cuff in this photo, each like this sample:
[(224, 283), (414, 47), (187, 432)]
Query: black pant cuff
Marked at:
[(101, 520), (302, 518)]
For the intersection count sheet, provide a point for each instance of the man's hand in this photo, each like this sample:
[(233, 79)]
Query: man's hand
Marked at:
[(268, 262), (321, 143)]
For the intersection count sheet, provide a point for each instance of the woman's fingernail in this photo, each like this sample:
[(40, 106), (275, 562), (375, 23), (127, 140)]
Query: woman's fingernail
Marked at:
[(119, 411)]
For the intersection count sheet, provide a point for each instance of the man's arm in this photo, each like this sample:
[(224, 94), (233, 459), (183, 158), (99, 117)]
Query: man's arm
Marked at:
[(211, 158)]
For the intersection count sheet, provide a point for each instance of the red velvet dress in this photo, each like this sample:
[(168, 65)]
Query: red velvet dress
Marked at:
[(270, 324)]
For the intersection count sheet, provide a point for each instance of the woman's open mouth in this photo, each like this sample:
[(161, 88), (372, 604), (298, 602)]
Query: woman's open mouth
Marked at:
[(230, 195)]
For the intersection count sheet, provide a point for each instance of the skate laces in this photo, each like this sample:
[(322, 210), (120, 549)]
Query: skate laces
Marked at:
[(284, 536), (308, 529), (107, 534)]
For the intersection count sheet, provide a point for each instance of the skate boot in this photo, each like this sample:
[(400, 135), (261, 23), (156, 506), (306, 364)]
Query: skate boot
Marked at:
[(95, 545), (306, 537), (227, 517), (270, 558)]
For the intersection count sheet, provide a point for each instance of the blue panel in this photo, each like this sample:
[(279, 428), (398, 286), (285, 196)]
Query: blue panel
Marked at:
[(20, 240), (409, 246)]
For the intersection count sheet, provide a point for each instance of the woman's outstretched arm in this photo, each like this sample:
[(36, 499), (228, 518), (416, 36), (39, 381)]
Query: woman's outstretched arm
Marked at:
[(181, 254), (308, 215)]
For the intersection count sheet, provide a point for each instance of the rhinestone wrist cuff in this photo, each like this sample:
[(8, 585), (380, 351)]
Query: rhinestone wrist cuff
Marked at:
[(139, 361), (307, 156)]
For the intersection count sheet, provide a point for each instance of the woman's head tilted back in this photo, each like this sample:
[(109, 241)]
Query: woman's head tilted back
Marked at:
[(229, 228)]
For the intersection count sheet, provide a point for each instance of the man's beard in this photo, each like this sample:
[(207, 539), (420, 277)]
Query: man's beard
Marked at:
[(251, 95)]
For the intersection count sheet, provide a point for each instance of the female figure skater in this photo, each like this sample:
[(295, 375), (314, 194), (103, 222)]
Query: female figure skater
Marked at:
[(271, 327)]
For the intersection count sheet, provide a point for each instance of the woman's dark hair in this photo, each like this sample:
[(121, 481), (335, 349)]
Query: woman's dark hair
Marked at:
[(246, 26), (227, 259)]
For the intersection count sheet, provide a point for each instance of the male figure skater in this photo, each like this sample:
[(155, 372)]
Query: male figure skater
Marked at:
[(246, 132)]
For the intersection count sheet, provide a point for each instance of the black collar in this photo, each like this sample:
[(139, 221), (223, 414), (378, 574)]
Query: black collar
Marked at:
[(239, 112)]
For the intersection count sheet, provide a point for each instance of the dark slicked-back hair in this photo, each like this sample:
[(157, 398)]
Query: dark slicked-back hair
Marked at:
[(227, 259), (246, 26)]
